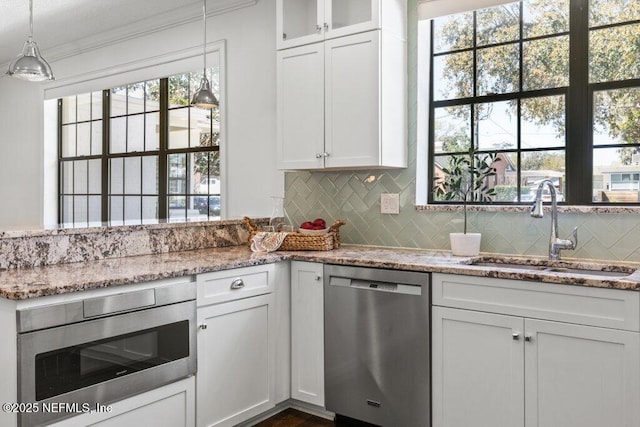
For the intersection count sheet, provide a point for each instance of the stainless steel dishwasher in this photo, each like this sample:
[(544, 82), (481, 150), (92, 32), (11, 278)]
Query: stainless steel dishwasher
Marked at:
[(377, 345)]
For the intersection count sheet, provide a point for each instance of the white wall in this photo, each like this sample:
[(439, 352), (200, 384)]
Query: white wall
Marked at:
[(249, 149), (21, 155)]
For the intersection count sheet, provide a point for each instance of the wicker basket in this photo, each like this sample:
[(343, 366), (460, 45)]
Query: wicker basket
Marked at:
[(303, 242)]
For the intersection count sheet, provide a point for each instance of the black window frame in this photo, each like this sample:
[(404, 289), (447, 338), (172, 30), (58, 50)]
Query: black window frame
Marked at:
[(162, 154), (579, 96)]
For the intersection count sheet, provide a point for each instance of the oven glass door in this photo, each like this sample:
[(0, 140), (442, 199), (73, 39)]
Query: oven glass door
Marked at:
[(77, 366)]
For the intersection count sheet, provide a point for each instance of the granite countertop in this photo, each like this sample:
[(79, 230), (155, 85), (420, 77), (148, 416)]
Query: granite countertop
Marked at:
[(18, 284)]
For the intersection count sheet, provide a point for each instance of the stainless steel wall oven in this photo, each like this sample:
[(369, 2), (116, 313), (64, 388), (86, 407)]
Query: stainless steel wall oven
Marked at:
[(100, 350)]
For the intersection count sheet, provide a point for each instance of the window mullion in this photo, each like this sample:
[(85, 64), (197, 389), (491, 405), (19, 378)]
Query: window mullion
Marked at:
[(162, 149), (106, 112), (579, 147)]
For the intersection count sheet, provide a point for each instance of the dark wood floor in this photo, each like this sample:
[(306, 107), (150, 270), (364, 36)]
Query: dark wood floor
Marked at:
[(294, 418)]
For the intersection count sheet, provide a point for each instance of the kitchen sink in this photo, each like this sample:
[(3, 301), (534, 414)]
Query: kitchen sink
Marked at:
[(558, 267)]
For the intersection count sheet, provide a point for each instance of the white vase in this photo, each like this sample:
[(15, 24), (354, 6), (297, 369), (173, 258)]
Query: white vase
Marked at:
[(465, 244)]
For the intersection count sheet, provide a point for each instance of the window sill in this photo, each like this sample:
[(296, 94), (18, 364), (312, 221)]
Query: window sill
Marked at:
[(578, 209)]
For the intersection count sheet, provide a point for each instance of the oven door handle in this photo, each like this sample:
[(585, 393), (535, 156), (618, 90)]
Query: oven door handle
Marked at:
[(237, 284)]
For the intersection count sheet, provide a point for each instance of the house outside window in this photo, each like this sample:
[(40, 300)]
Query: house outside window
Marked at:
[(139, 153), (551, 88)]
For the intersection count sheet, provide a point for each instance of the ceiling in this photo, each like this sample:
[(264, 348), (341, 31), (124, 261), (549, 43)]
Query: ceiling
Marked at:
[(65, 27)]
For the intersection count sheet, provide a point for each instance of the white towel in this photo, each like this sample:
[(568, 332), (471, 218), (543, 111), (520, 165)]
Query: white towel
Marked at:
[(266, 241)]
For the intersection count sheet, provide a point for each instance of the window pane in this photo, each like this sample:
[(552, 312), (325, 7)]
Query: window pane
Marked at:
[(615, 175), (453, 76), (135, 98), (505, 183), (95, 209), (95, 176), (546, 63), (84, 107), (150, 175), (69, 109), (152, 95), (177, 164), (152, 131), (135, 133), (67, 177), (116, 206), (542, 17), (543, 122), (453, 32), (116, 174), (496, 125), (179, 90), (498, 69), (84, 139), (132, 175), (452, 131), (498, 24), (96, 105), (80, 209), (96, 137), (615, 116), (118, 101), (614, 53), (603, 12), (179, 128), (540, 165), (80, 177), (67, 209), (200, 128), (132, 209), (68, 140), (118, 135), (150, 208)]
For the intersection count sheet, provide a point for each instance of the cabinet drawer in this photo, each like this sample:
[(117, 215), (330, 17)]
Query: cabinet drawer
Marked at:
[(228, 285), (610, 308)]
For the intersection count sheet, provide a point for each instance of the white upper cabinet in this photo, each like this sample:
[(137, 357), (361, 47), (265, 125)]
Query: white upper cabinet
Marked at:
[(308, 21)]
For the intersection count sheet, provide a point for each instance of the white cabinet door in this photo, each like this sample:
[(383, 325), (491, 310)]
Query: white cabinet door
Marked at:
[(300, 115), (352, 100), (477, 373), (236, 366), (300, 22), (581, 376), (172, 405), (307, 332)]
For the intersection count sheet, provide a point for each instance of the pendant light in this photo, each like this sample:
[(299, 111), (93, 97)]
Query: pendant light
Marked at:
[(204, 98), (29, 65)]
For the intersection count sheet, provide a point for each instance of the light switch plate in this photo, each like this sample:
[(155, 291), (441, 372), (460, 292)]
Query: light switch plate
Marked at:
[(390, 203)]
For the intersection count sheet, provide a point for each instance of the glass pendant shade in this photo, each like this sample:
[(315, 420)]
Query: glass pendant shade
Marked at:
[(30, 65), (204, 97)]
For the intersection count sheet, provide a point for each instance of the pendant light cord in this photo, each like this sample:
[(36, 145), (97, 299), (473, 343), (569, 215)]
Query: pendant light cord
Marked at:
[(204, 46), (31, 19)]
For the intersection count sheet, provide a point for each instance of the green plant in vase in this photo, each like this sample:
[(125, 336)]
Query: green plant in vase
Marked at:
[(466, 179)]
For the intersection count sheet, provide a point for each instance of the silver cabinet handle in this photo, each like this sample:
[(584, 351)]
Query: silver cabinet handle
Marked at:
[(202, 326), (237, 284), (318, 278), (326, 26), (516, 336), (320, 155), (318, 28), (528, 338)]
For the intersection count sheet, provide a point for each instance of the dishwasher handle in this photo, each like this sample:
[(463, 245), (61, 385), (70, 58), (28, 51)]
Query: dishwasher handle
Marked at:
[(374, 285)]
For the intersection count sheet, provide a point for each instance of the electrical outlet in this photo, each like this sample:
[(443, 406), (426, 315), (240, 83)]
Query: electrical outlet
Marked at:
[(390, 203)]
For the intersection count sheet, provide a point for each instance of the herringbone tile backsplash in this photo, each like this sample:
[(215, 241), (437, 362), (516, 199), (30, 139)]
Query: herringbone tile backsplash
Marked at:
[(355, 197)]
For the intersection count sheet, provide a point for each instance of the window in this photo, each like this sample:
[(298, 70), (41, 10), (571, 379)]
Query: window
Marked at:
[(551, 88), (139, 153)]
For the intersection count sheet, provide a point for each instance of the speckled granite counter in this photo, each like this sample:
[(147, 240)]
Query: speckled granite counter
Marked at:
[(35, 282)]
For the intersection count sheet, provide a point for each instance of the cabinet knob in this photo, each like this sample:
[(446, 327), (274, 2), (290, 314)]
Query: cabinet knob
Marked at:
[(516, 336), (318, 278), (237, 284), (202, 326), (318, 28), (326, 26), (321, 155), (528, 338)]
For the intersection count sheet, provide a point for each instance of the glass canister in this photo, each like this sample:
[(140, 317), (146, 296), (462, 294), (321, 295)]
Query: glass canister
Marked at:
[(279, 219)]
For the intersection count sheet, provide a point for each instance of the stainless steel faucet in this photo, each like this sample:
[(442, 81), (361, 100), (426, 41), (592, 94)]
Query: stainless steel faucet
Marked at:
[(555, 244)]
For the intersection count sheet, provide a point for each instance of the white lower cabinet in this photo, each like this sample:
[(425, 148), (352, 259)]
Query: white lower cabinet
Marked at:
[(172, 405), (507, 370), (236, 377), (307, 332)]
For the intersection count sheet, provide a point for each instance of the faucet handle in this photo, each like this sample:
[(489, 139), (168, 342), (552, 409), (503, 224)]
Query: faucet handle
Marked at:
[(574, 241)]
